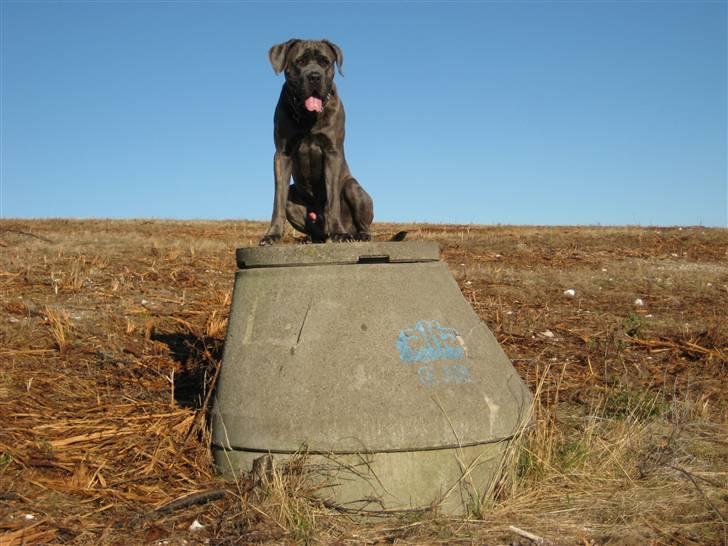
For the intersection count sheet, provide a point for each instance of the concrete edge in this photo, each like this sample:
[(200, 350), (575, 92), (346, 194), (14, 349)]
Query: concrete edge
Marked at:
[(303, 449), (337, 254)]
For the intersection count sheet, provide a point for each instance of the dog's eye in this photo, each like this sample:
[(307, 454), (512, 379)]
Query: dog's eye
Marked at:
[(324, 62), (301, 61)]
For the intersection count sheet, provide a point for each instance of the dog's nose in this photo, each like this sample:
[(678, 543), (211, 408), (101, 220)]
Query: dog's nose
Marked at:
[(314, 77)]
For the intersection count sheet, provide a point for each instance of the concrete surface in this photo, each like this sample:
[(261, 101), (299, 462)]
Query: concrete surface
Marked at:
[(449, 479), (379, 360), (349, 253)]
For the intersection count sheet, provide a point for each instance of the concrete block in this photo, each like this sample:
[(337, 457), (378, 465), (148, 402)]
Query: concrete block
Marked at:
[(364, 352)]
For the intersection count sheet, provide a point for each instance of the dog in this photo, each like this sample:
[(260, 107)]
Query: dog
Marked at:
[(324, 202)]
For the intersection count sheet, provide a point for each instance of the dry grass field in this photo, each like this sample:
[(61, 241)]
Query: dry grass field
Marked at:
[(111, 335)]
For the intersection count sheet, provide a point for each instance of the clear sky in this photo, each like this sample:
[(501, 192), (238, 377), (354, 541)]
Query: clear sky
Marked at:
[(541, 112)]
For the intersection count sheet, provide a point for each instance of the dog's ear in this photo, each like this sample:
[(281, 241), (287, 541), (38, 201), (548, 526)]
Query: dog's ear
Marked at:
[(278, 55), (336, 50)]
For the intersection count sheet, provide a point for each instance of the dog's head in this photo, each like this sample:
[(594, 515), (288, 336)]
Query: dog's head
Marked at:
[(309, 67)]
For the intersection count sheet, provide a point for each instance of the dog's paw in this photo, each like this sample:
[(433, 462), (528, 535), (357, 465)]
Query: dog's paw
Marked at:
[(268, 240), (363, 236), (307, 240), (342, 238)]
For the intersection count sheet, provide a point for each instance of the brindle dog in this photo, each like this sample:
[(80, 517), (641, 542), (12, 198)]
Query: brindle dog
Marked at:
[(325, 201)]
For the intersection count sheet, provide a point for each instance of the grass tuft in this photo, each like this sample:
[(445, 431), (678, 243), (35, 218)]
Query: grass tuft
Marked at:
[(59, 325)]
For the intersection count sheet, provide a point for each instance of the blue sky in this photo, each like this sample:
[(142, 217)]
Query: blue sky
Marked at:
[(571, 112)]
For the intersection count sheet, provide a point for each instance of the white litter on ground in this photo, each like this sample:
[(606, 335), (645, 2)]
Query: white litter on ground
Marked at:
[(196, 526), (570, 293)]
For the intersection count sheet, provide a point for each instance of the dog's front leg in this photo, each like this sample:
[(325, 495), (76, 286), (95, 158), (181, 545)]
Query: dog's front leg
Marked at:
[(282, 167), (332, 211)]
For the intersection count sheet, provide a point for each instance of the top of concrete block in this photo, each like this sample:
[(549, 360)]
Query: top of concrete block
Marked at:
[(337, 253)]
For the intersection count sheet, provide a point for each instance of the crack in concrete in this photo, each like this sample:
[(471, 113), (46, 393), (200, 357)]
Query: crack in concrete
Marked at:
[(303, 322)]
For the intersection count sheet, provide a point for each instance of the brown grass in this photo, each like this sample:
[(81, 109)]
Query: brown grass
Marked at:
[(111, 338), (58, 323)]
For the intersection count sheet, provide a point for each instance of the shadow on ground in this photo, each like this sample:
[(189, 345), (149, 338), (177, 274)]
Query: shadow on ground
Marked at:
[(199, 358)]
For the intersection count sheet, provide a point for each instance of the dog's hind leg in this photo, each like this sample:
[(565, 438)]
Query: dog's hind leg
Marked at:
[(298, 213), (296, 209), (360, 205)]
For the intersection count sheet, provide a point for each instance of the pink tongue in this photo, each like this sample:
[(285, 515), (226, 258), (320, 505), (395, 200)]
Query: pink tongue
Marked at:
[(314, 104)]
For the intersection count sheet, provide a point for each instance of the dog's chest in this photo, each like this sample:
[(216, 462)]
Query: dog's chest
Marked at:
[(310, 148), (309, 159)]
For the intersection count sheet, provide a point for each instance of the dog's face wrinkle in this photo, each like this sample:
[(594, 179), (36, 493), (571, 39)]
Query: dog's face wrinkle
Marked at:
[(305, 60)]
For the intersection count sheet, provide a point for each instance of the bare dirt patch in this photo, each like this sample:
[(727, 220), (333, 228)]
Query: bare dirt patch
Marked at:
[(111, 335)]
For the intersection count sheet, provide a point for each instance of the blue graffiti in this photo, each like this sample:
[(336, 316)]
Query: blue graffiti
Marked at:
[(456, 373), (426, 375), (452, 374), (428, 341)]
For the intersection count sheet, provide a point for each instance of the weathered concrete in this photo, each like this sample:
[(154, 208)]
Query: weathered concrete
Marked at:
[(350, 253), (364, 350), (393, 480)]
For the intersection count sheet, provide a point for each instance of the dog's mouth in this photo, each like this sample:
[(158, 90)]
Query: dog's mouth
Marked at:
[(314, 103)]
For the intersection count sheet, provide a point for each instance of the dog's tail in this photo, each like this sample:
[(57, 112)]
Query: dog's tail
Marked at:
[(399, 236)]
